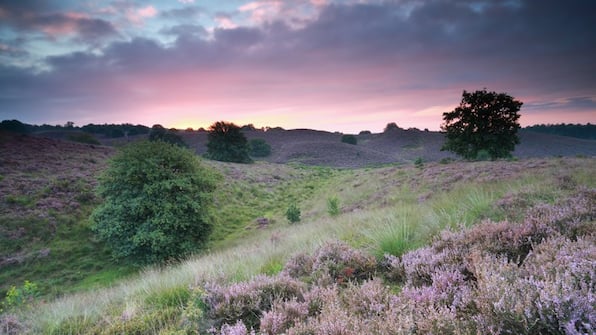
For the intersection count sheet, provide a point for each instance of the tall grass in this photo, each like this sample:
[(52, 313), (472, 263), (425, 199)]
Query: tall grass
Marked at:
[(408, 218)]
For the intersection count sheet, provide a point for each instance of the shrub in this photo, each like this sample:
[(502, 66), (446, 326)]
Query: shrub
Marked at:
[(259, 148), (349, 139), (159, 133), (227, 143), (293, 213), (419, 162), (336, 262), (19, 296), (83, 138), (246, 302), (333, 206), (157, 200)]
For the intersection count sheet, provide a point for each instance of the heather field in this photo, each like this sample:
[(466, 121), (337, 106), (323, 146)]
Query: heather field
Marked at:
[(440, 247)]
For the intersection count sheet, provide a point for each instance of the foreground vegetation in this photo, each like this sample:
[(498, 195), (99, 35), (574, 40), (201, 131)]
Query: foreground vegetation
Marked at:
[(481, 247)]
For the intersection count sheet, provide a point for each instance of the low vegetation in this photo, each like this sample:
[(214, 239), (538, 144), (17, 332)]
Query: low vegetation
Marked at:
[(434, 248)]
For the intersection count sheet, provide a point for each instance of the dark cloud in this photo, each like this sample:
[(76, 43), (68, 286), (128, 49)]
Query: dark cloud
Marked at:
[(529, 48), (37, 16)]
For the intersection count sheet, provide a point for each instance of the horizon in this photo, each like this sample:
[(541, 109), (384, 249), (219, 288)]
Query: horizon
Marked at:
[(330, 65)]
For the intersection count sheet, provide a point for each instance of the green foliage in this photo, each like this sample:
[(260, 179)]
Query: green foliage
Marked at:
[(83, 138), (259, 148), (159, 133), (19, 296), (157, 200), (349, 139), (293, 213), (227, 143), (483, 155), (419, 162), (333, 206), (14, 126), (483, 121)]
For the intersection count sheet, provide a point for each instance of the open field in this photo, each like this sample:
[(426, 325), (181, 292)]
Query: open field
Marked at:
[(394, 209)]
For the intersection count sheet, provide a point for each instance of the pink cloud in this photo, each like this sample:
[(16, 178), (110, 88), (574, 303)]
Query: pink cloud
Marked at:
[(137, 15)]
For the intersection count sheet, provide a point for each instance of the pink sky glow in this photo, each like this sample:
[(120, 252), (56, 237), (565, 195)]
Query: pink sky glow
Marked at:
[(336, 65)]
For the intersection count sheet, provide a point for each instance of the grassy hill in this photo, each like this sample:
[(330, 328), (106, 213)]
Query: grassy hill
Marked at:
[(397, 209)]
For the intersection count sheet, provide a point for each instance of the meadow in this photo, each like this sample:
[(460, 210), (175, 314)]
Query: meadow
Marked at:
[(448, 247)]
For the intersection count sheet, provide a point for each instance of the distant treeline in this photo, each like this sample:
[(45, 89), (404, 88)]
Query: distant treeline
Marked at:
[(585, 131), (107, 130)]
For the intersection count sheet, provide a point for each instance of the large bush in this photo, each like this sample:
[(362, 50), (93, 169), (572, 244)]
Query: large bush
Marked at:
[(157, 200)]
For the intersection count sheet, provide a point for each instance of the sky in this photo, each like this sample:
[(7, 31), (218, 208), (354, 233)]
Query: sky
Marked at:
[(336, 65)]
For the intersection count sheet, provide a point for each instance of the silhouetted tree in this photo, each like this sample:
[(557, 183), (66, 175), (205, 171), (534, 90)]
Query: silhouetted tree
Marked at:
[(484, 122), (159, 133), (390, 126), (14, 126), (227, 143)]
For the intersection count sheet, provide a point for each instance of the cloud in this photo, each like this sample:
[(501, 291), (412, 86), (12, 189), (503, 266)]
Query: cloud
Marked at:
[(138, 15), (36, 17), (390, 61)]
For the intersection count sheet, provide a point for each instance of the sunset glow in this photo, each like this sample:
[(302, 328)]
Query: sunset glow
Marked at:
[(332, 65)]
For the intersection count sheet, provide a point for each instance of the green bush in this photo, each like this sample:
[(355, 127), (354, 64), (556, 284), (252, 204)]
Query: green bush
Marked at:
[(157, 202), (349, 139), (293, 213), (19, 296), (419, 162), (259, 148), (333, 206)]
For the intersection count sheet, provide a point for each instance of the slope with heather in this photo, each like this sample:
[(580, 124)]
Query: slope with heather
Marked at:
[(400, 211)]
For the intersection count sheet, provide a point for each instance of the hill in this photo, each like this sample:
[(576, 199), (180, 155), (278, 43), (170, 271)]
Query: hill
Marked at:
[(391, 209), (322, 148)]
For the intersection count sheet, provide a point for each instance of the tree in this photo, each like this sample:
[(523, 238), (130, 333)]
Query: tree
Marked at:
[(227, 143), (259, 147), (390, 127), (483, 122), (159, 133), (14, 126), (157, 202)]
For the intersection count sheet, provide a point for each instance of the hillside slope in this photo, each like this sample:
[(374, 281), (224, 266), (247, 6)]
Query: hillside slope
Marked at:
[(313, 147)]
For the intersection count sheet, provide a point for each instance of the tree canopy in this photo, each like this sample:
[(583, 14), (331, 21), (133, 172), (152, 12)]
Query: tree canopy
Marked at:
[(159, 133), (157, 202), (227, 143), (484, 123)]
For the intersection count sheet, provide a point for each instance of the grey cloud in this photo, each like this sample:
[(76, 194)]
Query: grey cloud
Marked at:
[(533, 47)]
